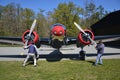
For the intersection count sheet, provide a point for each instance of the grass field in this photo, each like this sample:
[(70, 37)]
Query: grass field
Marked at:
[(61, 70)]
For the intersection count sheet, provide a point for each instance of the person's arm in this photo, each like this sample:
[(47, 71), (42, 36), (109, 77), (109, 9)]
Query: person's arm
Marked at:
[(26, 47), (96, 47)]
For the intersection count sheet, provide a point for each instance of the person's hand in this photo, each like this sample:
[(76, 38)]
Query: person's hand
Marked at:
[(25, 47)]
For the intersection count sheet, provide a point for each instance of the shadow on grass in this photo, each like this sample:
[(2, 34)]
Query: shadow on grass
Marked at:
[(56, 55), (92, 62)]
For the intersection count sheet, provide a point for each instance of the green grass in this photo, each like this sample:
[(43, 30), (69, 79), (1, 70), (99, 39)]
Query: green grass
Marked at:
[(61, 70)]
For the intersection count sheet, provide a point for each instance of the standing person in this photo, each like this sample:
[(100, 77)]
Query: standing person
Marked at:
[(100, 50), (32, 52)]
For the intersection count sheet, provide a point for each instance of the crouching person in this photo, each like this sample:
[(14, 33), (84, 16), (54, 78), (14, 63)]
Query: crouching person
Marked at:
[(32, 52)]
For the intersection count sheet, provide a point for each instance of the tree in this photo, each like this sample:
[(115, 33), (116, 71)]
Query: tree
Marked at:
[(14, 19), (27, 16), (1, 21), (89, 11), (92, 14), (67, 14), (42, 27), (8, 18)]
